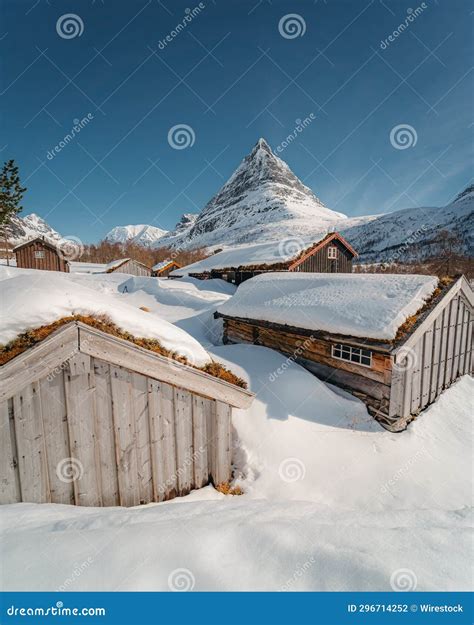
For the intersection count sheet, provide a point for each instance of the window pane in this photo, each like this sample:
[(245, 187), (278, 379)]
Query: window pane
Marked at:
[(365, 361)]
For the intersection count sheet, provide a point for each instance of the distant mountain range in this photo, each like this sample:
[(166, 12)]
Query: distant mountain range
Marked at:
[(263, 201)]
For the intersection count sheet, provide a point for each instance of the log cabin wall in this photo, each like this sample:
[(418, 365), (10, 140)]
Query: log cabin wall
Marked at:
[(37, 255), (319, 262), (372, 384)]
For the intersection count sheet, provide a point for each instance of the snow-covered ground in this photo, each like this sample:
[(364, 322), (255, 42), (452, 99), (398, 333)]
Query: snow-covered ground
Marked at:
[(331, 500)]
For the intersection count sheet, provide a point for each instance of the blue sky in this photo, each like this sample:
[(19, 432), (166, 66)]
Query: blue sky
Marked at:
[(236, 72)]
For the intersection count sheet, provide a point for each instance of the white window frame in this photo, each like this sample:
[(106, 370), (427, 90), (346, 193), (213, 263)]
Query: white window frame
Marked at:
[(355, 354), (39, 254), (332, 252)]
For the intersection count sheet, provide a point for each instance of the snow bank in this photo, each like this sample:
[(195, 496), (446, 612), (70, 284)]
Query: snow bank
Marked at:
[(364, 305), (33, 298)]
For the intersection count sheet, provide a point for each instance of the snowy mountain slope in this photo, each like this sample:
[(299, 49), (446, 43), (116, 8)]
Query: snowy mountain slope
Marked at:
[(262, 201), (140, 234), (173, 237), (413, 234), (24, 228)]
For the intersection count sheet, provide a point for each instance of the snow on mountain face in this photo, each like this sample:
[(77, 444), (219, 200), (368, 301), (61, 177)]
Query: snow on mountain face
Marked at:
[(22, 229), (174, 237), (140, 234), (262, 201), (414, 234)]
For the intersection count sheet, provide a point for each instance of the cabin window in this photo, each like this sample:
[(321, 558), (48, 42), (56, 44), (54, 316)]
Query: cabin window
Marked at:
[(39, 254), (352, 354), (332, 251)]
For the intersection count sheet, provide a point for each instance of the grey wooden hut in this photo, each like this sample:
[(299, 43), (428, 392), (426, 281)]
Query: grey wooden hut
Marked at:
[(94, 420), (395, 378), (128, 265)]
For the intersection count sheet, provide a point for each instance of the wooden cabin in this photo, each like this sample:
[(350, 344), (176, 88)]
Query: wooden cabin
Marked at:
[(331, 254), (40, 254), (397, 355), (128, 265), (164, 268), (90, 419)]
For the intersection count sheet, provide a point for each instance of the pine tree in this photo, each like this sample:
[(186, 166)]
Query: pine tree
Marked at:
[(11, 194)]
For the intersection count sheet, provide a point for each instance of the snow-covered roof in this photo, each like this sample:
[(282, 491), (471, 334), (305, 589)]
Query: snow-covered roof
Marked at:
[(363, 305), (80, 267), (33, 298), (162, 264), (114, 264), (272, 253)]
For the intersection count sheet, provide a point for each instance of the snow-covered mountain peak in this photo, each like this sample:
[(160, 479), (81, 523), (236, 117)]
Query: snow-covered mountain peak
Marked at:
[(141, 234), (467, 194)]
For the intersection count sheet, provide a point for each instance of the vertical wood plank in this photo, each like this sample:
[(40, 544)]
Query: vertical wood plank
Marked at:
[(168, 434), (126, 449), (468, 361), (442, 352), (53, 409), (184, 439), (160, 487), (201, 409), (29, 434), (427, 364), (105, 434), (9, 482), (437, 333), (414, 375), (452, 317), (222, 443), (142, 431), (80, 402)]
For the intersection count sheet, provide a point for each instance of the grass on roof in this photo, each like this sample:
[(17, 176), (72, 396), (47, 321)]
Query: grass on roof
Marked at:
[(30, 338)]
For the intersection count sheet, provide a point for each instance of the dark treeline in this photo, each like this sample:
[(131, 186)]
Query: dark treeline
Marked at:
[(105, 252)]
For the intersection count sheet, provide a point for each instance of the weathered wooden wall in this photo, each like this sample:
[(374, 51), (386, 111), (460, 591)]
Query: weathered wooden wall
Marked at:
[(133, 268), (52, 261), (440, 355), (319, 262), (95, 434)]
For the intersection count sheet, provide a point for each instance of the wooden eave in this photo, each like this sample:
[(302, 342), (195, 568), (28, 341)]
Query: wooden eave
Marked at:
[(44, 242), (42, 359)]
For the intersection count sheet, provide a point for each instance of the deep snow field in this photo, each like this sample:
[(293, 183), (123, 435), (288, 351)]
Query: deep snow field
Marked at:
[(331, 501)]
